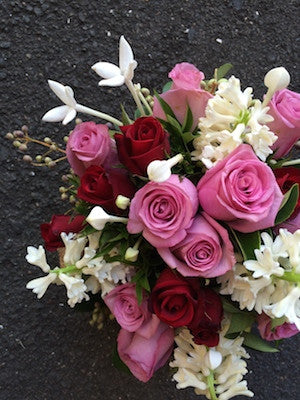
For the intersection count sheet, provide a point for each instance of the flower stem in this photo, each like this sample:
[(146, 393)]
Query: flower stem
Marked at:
[(144, 101), (211, 387), (90, 111), (290, 276), (135, 96), (65, 270), (29, 139), (291, 162)]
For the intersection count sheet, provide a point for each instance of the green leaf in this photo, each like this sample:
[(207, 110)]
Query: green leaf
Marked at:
[(165, 106), (188, 137), (277, 322), (88, 230), (240, 322), (125, 118), (175, 124), (288, 204), (139, 293), (223, 70), (167, 86), (247, 243), (229, 307), (118, 363), (188, 120), (256, 343)]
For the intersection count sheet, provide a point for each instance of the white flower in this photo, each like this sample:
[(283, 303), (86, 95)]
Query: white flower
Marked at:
[(289, 307), (117, 75), (276, 79), (37, 257), (196, 362), (87, 256), (98, 218), (74, 247), (93, 285), (265, 264), (131, 254), (291, 242), (64, 113), (160, 170), (75, 289), (122, 202), (40, 285)]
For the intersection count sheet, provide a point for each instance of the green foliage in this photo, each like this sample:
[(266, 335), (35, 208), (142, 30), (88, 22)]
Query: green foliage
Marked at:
[(257, 343), (167, 86), (288, 204), (87, 230), (240, 322), (247, 243), (118, 363), (222, 71), (83, 208), (125, 118), (277, 322)]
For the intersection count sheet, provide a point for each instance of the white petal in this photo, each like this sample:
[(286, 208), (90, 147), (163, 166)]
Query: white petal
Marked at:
[(115, 81), (59, 90), (70, 116), (106, 69), (70, 97), (129, 72), (57, 114), (125, 54)]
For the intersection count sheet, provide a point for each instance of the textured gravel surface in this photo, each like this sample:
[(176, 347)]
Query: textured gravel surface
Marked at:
[(47, 350)]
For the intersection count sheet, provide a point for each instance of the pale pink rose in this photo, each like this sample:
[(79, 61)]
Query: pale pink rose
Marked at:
[(286, 330), (145, 353), (185, 91), (206, 251), (163, 211), (90, 144), (186, 76), (123, 304), (285, 109), (241, 190)]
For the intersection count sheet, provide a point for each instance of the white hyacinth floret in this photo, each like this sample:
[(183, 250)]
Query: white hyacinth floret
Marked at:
[(213, 372), (231, 118)]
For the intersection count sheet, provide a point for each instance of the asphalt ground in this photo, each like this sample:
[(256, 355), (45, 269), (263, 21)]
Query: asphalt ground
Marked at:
[(47, 350)]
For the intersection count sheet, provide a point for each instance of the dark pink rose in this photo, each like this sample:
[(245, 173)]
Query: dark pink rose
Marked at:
[(184, 91), (186, 76), (285, 109), (145, 353), (241, 190), (163, 211), (123, 304), (286, 330), (206, 251), (90, 144)]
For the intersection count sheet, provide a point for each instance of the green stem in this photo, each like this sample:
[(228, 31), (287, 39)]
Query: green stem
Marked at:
[(90, 111), (135, 96), (211, 387), (290, 276), (291, 162), (144, 101), (65, 270)]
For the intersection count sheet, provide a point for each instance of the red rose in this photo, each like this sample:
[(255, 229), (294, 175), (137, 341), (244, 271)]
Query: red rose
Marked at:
[(60, 223), (97, 187), (174, 298), (207, 319), (180, 301), (286, 177), (142, 142)]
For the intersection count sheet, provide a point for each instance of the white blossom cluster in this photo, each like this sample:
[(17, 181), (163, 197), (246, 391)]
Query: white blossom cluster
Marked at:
[(223, 365), (269, 284), (78, 260), (231, 118)]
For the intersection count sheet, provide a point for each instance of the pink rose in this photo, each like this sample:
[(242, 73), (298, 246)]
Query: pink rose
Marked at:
[(146, 353), (285, 109), (90, 144), (123, 303), (184, 91), (241, 190), (186, 76), (286, 330), (163, 211), (206, 251)]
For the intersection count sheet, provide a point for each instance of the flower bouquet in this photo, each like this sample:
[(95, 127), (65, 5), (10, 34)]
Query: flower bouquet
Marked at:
[(184, 221)]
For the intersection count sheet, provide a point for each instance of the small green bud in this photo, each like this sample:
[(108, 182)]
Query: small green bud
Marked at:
[(18, 133), (66, 138), (203, 84), (47, 140), (62, 189), (222, 80), (53, 147), (72, 199), (78, 121), (39, 158), (149, 98), (48, 160), (51, 164), (17, 143), (64, 196), (145, 91), (23, 147), (151, 103), (9, 136), (65, 178), (24, 129), (212, 82)]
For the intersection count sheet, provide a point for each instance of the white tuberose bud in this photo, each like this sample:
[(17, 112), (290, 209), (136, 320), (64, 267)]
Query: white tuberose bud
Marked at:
[(160, 170), (213, 359), (98, 218), (122, 202), (276, 79)]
